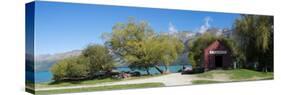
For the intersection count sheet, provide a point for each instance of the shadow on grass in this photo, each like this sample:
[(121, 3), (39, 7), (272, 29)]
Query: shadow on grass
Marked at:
[(59, 82), (76, 81), (92, 80)]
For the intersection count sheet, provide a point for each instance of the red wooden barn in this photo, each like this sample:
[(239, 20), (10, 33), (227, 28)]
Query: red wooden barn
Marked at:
[(217, 55)]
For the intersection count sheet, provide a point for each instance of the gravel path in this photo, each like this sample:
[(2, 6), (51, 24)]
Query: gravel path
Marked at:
[(168, 80)]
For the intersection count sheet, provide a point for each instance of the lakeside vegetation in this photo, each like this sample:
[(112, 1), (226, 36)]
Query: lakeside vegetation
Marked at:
[(133, 43), (138, 45), (94, 59)]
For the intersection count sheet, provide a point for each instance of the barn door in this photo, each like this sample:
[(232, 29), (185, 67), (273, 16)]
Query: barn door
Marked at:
[(218, 61)]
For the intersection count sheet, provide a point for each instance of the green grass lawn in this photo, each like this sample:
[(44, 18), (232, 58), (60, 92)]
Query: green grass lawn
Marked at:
[(88, 82), (238, 74), (231, 76), (102, 88), (74, 83), (249, 74)]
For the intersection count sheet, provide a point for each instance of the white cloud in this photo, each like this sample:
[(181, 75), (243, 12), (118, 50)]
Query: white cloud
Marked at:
[(203, 28), (172, 28)]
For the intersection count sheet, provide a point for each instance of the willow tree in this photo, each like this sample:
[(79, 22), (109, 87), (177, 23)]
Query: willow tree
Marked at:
[(170, 48), (255, 36), (127, 43), (136, 44), (162, 50)]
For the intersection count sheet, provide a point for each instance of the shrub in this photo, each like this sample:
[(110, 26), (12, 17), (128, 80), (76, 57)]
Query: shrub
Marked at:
[(69, 69)]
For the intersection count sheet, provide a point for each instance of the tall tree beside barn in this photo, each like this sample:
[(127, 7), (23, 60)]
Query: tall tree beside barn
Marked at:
[(197, 46), (255, 37)]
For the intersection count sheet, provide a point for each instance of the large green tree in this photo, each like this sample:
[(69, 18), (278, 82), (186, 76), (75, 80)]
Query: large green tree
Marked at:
[(138, 45), (99, 59), (127, 43), (255, 36), (169, 49), (94, 59), (197, 46)]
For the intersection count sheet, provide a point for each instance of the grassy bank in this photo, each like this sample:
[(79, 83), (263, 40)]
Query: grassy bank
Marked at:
[(237, 74), (231, 75), (249, 74), (87, 82), (102, 88)]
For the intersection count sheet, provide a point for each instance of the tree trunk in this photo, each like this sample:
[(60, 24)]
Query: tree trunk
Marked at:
[(265, 68), (147, 71), (167, 69), (158, 69)]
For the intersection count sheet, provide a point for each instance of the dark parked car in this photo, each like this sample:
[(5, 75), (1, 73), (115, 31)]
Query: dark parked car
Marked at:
[(193, 71), (136, 73)]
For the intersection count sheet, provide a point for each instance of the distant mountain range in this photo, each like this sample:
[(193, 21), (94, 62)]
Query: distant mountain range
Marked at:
[(45, 62), (58, 56)]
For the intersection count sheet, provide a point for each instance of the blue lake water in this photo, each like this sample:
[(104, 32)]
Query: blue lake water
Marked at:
[(46, 76)]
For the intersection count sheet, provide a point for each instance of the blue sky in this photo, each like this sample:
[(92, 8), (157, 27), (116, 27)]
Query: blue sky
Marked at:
[(62, 27)]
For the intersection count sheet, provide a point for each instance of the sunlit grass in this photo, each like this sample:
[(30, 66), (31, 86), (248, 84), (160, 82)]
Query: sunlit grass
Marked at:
[(102, 88), (238, 74)]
